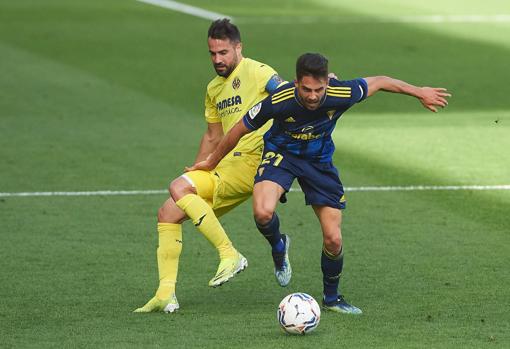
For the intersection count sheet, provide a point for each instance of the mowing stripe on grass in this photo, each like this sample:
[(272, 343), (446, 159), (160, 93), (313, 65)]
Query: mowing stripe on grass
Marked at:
[(432, 19), (153, 192), (201, 13), (187, 9)]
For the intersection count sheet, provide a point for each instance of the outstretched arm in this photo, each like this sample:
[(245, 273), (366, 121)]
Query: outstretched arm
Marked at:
[(430, 97), (224, 147)]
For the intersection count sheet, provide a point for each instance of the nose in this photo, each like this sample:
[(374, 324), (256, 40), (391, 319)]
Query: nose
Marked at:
[(216, 59)]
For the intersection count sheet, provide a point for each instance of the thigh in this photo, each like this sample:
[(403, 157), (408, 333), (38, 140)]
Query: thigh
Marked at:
[(234, 181), (236, 174), (207, 184), (330, 219), (271, 182), (275, 168), (203, 182), (266, 195), (321, 185)]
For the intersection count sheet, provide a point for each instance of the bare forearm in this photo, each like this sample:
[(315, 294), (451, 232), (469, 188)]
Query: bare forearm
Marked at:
[(399, 86), (210, 140), (224, 147), (207, 146), (430, 97), (385, 83)]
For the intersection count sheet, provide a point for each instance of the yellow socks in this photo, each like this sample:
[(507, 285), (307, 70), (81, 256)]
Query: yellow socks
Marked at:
[(205, 220), (169, 250)]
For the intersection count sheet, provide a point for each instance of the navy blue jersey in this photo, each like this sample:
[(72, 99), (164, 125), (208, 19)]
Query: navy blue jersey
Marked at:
[(300, 131)]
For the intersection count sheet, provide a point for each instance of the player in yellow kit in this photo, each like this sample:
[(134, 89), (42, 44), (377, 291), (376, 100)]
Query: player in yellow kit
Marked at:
[(202, 196)]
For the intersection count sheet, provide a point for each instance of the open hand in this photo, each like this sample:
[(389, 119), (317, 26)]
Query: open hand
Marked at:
[(333, 76), (204, 165), (433, 97)]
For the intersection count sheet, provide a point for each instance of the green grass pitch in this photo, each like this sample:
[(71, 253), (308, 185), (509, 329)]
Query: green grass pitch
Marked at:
[(108, 95)]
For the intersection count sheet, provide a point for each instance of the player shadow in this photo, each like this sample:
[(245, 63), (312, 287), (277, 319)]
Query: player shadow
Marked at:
[(487, 208)]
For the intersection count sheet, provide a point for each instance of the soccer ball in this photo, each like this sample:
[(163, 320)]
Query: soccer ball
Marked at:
[(298, 313)]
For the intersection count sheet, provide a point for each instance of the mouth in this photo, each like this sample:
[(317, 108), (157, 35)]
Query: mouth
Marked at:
[(312, 105), (222, 70)]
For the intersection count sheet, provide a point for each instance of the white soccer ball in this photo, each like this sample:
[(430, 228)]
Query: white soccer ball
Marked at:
[(298, 313)]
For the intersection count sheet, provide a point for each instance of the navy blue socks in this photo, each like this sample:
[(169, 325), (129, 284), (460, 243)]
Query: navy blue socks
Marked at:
[(271, 232), (331, 266)]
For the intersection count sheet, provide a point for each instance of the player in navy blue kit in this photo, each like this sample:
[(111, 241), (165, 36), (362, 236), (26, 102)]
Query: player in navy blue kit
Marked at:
[(299, 146)]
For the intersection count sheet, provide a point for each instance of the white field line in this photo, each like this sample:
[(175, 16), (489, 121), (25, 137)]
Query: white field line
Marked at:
[(347, 189), (85, 193), (187, 9), (432, 19), (429, 187)]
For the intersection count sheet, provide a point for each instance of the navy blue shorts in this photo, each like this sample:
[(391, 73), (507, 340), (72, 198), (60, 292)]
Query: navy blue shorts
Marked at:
[(319, 181)]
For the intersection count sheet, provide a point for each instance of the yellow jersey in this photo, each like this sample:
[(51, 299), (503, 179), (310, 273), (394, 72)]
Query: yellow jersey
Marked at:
[(228, 99)]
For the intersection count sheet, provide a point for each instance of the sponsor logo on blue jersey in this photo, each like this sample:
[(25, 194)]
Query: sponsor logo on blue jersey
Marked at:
[(306, 134)]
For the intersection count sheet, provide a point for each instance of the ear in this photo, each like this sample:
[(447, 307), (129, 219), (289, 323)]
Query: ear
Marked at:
[(295, 83), (239, 48)]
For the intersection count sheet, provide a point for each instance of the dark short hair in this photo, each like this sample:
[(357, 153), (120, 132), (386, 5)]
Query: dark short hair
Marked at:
[(222, 29), (312, 64)]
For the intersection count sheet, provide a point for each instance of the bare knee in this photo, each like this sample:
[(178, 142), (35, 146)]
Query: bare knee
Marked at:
[(333, 244), (162, 215), (263, 215), (170, 213), (179, 188)]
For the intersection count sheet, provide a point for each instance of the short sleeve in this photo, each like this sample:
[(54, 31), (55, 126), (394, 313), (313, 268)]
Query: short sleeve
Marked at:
[(259, 114), (211, 116), (359, 90), (348, 92)]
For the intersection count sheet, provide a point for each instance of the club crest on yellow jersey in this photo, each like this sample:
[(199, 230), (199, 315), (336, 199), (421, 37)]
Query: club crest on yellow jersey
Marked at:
[(236, 83)]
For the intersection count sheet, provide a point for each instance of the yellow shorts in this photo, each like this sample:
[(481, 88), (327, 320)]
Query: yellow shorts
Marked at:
[(229, 184)]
